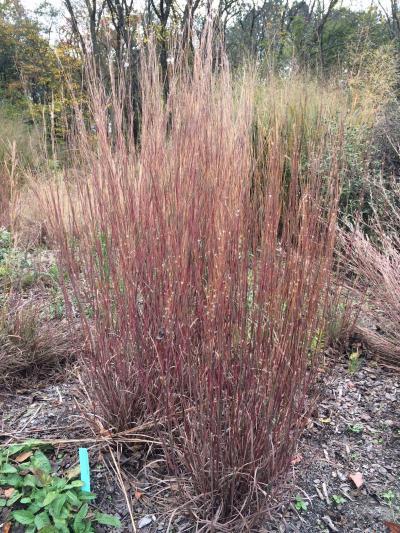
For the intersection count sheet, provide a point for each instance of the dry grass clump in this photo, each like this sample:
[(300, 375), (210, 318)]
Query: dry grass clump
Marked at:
[(343, 311), (31, 226), (4, 200), (205, 257), (20, 150), (375, 259), (8, 187), (378, 267), (372, 82), (30, 344)]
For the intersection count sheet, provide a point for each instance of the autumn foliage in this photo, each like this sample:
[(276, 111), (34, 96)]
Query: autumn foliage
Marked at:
[(200, 258)]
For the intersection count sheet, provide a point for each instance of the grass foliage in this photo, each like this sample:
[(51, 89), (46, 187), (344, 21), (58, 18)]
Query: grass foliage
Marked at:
[(205, 253)]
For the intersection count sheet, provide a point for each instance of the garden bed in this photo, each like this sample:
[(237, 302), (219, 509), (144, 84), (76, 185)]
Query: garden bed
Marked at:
[(355, 431)]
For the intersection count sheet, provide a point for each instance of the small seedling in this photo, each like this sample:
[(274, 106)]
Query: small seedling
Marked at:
[(54, 272), (318, 341), (5, 242), (389, 497), (89, 311), (354, 362), (28, 279), (57, 306), (337, 499), (356, 428), (300, 504)]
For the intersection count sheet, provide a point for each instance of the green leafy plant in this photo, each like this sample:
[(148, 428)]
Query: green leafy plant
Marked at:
[(354, 362), (55, 275), (57, 305), (41, 500), (54, 272), (356, 428), (337, 499), (16, 268), (300, 504), (4, 271), (28, 279), (5, 242), (389, 496), (318, 341)]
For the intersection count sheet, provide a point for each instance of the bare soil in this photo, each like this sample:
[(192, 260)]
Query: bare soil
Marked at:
[(355, 430)]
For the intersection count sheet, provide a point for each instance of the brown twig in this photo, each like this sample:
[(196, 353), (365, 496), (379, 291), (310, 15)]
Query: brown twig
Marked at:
[(117, 471)]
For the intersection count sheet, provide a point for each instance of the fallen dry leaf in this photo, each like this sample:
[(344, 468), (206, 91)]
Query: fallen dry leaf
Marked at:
[(296, 459), (73, 472), (23, 456), (102, 430), (138, 494), (9, 492), (357, 479), (7, 527), (392, 527)]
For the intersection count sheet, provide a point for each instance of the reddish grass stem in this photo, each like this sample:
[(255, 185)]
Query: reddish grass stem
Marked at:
[(200, 262)]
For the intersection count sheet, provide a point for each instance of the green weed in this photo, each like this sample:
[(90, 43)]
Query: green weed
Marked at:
[(356, 428), (42, 501), (300, 504), (337, 499), (57, 305), (354, 362), (389, 497), (318, 341)]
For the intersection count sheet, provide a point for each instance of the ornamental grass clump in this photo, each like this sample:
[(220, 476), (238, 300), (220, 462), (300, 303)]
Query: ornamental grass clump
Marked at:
[(372, 256), (203, 250)]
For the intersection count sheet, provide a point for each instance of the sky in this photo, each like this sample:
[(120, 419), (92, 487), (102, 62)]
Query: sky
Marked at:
[(32, 4), (355, 4)]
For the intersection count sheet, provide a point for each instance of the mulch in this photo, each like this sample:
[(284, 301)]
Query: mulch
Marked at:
[(354, 431)]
